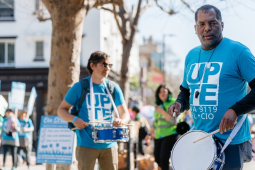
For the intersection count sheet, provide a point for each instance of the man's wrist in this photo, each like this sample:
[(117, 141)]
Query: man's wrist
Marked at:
[(237, 108), (180, 102), (74, 119)]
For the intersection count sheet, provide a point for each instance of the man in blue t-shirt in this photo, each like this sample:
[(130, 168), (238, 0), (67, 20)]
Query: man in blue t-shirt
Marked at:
[(87, 151), (214, 86)]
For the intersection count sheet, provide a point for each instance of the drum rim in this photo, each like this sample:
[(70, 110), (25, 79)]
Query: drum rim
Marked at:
[(114, 127), (117, 140), (185, 135)]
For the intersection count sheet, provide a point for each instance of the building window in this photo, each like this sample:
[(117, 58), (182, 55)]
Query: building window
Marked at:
[(7, 54), (6, 10), (39, 51)]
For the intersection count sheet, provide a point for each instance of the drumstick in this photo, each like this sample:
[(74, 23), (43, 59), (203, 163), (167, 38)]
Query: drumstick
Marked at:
[(174, 114), (216, 131)]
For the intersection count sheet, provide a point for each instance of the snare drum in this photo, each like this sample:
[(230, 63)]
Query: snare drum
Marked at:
[(202, 155), (110, 134)]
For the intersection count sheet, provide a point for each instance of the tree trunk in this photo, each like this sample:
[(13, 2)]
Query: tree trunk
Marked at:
[(124, 77), (67, 25), (64, 70)]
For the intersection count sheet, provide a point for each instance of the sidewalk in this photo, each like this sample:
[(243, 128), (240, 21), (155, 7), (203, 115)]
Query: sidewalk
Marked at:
[(249, 166)]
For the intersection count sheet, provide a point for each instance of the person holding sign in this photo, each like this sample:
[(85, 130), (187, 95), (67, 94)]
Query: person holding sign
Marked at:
[(25, 135), (87, 151), (214, 87), (10, 138)]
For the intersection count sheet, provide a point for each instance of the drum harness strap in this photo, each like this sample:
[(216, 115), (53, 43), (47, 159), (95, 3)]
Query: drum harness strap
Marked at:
[(233, 133), (92, 101)]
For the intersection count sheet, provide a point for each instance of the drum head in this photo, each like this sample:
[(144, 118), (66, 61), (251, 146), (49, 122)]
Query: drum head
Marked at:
[(187, 155)]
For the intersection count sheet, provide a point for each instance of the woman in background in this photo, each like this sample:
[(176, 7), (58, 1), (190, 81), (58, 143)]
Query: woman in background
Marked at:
[(10, 137), (165, 127), (25, 139)]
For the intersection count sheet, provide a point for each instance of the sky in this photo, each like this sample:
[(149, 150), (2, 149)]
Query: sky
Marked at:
[(238, 17)]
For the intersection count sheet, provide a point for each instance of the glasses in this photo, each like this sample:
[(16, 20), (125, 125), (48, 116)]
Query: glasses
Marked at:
[(105, 65)]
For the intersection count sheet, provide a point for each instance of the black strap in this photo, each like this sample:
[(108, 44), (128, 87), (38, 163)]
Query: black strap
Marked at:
[(85, 89)]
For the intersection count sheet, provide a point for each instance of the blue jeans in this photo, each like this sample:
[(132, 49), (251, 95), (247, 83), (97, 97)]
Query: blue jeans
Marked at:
[(236, 155)]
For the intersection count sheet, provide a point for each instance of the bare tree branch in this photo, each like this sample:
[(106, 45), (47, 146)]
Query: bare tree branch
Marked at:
[(148, 4), (170, 12), (106, 9), (137, 16), (42, 19), (188, 6), (117, 21), (103, 2)]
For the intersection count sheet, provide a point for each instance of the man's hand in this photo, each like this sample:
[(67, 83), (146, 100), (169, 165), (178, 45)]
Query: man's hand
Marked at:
[(175, 107), (80, 124), (228, 121), (117, 122)]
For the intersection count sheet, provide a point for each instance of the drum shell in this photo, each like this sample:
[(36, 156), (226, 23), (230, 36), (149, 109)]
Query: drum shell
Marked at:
[(217, 161), (110, 134)]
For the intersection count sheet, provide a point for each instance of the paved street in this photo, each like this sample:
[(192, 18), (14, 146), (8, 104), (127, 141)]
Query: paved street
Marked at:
[(247, 166)]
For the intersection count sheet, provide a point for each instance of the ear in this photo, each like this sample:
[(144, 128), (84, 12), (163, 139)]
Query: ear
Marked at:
[(222, 25), (92, 66), (195, 27)]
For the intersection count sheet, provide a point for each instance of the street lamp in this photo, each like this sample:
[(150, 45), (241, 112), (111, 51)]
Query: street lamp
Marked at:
[(163, 55)]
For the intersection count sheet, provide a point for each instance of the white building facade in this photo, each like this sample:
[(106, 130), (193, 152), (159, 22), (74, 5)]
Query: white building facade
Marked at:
[(25, 42), (25, 46)]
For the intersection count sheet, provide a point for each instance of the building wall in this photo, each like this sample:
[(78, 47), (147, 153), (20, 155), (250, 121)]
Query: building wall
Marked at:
[(100, 33)]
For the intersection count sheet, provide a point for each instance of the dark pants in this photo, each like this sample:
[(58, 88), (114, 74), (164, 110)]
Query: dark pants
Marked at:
[(27, 152), (142, 134), (236, 155), (13, 150), (162, 150)]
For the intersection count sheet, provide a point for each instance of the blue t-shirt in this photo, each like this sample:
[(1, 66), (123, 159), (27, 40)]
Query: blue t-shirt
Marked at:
[(224, 83), (5, 136), (103, 107), (23, 124)]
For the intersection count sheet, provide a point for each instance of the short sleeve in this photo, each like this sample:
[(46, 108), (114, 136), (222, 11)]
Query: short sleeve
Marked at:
[(184, 82), (246, 65), (72, 95), (30, 123), (118, 97)]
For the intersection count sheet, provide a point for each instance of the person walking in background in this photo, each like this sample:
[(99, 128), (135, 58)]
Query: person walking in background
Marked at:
[(25, 138), (10, 137), (165, 127), (144, 129)]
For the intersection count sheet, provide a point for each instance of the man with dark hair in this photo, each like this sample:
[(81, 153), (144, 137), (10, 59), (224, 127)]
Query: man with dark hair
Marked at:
[(87, 151), (214, 86)]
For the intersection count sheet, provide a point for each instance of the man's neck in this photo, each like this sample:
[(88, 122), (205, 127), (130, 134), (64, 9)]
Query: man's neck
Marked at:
[(96, 79)]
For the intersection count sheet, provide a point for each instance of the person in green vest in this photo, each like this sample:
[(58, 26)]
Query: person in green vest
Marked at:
[(165, 127)]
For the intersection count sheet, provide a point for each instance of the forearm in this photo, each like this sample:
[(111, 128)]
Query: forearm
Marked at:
[(247, 104), (65, 115), (166, 115), (183, 98), (30, 129), (125, 117)]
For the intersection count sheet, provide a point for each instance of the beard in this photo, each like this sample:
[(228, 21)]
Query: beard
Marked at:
[(211, 43)]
